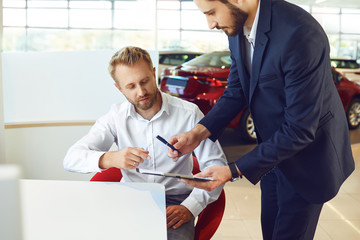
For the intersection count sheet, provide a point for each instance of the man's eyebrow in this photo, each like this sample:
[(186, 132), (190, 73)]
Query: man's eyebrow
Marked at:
[(207, 12)]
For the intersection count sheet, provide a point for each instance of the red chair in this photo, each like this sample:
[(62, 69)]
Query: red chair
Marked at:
[(208, 220), (109, 175)]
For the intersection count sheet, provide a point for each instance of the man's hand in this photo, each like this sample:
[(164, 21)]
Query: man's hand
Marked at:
[(186, 142), (127, 158), (219, 174), (177, 215)]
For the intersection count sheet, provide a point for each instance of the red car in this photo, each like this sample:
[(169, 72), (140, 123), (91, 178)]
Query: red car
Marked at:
[(204, 79)]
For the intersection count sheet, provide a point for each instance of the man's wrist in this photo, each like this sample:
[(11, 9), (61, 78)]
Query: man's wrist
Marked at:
[(201, 131), (104, 161), (235, 173)]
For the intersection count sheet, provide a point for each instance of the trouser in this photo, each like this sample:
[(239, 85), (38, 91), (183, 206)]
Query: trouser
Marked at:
[(284, 213), (185, 231)]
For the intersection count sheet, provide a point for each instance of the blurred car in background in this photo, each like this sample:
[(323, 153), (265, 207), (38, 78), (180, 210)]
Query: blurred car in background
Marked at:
[(171, 58), (349, 92), (203, 81), (349, 67)]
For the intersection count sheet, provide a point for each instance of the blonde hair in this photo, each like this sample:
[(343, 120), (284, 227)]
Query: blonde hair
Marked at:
[(129, 56)]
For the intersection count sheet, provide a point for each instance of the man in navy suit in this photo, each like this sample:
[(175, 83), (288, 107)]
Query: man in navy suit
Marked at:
[(281, 69)]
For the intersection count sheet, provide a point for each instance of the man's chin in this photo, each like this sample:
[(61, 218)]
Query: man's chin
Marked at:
[(144, 106), (229, 33), (232, 32)]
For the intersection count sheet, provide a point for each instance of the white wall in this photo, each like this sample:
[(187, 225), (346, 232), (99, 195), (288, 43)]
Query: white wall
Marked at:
[(40, 151), (53, 87)]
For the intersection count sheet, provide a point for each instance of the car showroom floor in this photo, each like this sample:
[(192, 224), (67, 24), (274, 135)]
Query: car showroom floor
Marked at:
[(339, 220)]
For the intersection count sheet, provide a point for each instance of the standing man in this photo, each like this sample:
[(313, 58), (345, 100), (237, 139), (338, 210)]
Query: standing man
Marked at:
[(281, 69), (133, 126)]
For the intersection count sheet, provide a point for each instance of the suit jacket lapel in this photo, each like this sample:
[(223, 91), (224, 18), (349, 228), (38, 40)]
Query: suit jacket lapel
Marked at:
[(243, 73), (260, 43)]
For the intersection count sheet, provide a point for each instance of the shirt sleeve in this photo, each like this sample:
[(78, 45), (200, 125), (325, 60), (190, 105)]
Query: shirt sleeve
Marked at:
[(84, 155), (208, 153)]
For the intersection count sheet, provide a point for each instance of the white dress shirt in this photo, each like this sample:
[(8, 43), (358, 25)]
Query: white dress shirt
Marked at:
[(125, 127), (250, 35)]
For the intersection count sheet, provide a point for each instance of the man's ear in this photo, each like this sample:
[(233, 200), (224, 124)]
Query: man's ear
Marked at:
[(117, 86), (154, 72)]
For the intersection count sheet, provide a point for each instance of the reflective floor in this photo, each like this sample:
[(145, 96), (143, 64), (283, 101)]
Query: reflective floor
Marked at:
[(339, 220)]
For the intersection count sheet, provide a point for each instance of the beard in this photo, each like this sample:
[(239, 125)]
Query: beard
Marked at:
[(239, 18), (148, 104)]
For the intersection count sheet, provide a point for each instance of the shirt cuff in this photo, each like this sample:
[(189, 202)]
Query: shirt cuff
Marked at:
[(193, 206), (93, 160)]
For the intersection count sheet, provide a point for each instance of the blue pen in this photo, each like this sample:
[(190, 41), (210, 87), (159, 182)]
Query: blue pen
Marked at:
[(167, 144)]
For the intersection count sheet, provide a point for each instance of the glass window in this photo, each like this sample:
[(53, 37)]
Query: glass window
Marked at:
[(14, 3), (325, 10), (47, 4), (47, 18), (64, 40), (90, 4), (14, 39), (143, 39), (205, 41), (168, 19), (334, 44), (189, 5), (168, 5), (135, 15), (89, 39), (89, 18), (350, 10), (330, 22), (14, 17), (350, 23), (347, 48), (125, 19), (159, 24), (193, 19), (170, 39), (46, 39)]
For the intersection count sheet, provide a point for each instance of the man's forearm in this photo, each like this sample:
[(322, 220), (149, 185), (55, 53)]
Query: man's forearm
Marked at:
[(201, 132)]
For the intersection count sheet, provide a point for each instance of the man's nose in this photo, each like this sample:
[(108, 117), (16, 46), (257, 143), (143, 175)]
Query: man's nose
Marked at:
[(212, 23), (141, 91)]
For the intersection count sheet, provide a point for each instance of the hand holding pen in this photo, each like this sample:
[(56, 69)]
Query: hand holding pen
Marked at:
[(167, 144), (187, 141)]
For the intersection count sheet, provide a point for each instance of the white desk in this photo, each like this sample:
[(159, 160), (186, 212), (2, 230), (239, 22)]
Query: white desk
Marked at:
[(67, 210)]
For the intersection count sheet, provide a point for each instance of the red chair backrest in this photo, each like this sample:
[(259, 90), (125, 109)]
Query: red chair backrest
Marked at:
[(208, 220), (108, 175)]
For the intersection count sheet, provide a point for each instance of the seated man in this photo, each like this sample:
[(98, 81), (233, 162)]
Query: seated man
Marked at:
[(133, 126)]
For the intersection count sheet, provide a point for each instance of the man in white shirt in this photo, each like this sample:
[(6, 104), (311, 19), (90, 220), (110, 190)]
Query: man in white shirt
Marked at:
[(133, 126)]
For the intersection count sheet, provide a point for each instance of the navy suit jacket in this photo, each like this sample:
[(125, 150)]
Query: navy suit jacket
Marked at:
[(299, 119)]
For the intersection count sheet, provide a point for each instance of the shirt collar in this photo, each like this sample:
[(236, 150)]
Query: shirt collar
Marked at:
[(250, 32), (131, 112)]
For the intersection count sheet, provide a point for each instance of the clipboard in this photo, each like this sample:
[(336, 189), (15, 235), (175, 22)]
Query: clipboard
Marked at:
[(173, 175)]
